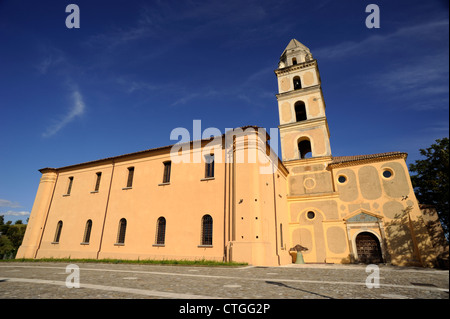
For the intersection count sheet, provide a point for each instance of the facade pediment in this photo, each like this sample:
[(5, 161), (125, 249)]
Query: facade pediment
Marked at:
[(363, 216)]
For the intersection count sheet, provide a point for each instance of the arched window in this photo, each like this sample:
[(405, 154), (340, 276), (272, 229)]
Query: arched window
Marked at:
[(297, 83), (294, 61), (300, 111), (58, 231), (207, 230), (160, 231), (87, 232), (304, 148), (121, 232)]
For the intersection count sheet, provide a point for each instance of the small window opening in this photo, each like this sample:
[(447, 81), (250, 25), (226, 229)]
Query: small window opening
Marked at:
[(304, 148), (342, 179), (167, 168), (69, 188), (387, 173), (300, 111), (294, 61), (58, 231), (161, 231), (297, 83), (209, 166), (207, 230), (311, 215), (122, 230), (87, 232), (97, 182), (130, 176)]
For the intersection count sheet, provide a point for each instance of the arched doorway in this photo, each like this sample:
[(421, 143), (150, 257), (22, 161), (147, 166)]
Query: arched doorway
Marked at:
[(368, 248)]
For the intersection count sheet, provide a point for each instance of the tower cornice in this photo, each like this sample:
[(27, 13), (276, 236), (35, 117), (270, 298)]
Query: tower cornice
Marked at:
[(305, 125), (300, 92), (296, 67)]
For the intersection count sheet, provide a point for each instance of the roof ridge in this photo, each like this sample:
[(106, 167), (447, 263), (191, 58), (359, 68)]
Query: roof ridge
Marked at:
[(352, 158)]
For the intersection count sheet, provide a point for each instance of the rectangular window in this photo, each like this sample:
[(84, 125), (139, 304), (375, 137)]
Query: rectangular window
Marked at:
[(97, 183), (209, 166), (69, 188), (130, 176), (58, 232), (166, 177)]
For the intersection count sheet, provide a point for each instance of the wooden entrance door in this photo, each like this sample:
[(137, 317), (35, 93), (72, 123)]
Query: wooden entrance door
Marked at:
[(368, 248)]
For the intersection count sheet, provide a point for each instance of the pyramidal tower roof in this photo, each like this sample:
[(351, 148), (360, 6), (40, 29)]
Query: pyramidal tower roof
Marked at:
[(294, 44), (294, 53)]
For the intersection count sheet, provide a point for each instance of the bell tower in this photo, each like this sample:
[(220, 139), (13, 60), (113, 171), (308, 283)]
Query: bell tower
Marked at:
[(303, 125)]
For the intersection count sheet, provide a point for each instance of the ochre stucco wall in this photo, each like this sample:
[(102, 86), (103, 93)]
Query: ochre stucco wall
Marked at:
[(247, 207)]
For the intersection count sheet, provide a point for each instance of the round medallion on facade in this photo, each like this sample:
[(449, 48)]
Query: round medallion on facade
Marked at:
[(309, 183)]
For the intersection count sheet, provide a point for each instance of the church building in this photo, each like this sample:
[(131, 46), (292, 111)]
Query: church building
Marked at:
[(224, 207)]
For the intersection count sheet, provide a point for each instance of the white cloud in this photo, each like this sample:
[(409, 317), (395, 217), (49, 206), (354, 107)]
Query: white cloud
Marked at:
[(76, 109), (131, 86), (48, 62), (185, 98), (422, 80), (13, 213), (393, 41), (205, 93), (8, 203)]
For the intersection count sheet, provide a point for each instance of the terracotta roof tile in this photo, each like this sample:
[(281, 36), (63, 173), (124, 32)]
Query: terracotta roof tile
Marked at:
[(345, 159)]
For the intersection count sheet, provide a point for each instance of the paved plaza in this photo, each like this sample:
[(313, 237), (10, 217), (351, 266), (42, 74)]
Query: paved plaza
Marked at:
[(47, 280)]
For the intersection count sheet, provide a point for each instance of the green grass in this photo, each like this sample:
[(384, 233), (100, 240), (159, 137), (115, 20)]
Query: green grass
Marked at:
[(199, 262)]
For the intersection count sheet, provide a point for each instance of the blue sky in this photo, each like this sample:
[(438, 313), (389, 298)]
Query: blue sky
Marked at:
[(135, 70)]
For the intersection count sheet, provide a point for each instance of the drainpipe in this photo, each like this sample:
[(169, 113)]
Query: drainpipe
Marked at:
[(233, 192), (106, 210), (276, 222), (225, 245)]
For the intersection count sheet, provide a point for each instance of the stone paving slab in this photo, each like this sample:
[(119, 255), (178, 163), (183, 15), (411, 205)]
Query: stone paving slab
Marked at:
[(47, 280)]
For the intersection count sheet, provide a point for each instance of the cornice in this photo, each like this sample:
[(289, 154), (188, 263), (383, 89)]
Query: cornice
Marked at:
[(299, 92), (296, 67), (312, 197), (304, 124), (357, 162), (307, 161)]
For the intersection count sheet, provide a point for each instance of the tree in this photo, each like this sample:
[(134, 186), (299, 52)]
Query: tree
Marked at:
[(431, 181), (11, 237), (6, 246)]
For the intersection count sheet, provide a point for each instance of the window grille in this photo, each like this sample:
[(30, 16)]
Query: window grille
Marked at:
[(207, 230), (161, 231)]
